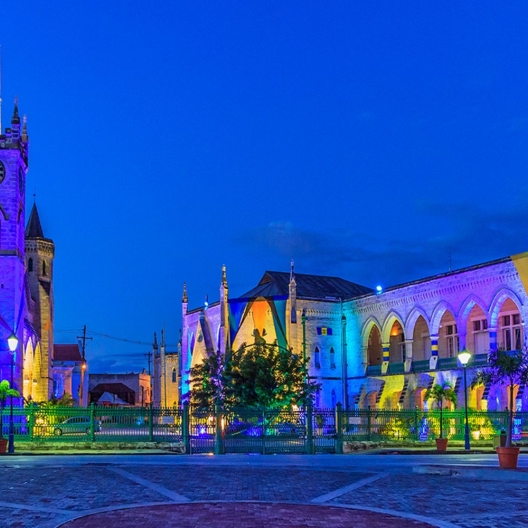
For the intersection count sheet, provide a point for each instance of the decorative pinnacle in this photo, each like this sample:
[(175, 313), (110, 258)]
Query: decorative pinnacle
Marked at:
[(155, 343), (24, 129), (184, 296), (224, 276), (292, 272), (16, 119)]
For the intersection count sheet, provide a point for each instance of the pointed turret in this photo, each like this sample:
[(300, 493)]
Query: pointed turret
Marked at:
[(24, 137), (223, 337), (34, 228), (293, 295), (15, 120), (185, 299)]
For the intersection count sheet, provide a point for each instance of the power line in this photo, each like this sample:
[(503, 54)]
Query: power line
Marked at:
[(108, 336)]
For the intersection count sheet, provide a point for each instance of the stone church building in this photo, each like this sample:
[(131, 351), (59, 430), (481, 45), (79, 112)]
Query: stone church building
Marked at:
[(26, 284), (378, 349)]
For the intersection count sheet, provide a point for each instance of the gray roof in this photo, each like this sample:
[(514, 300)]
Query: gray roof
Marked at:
[(33, 228), (276, 284)]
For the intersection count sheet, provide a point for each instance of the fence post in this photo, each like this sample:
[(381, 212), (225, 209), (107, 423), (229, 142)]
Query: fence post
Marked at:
[(219, 448), (369, 422), (31, 420), (416, 427), (151, 423), (92, 422), (339, 429), (263, 431), (310, 447), (185, 429)]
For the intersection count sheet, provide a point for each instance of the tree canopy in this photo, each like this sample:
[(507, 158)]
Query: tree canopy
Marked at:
[(507, 368), (254, 376)]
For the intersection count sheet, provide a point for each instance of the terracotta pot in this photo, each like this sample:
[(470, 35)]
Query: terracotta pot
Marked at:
[(441, 444), (508, 457), (3, 445)]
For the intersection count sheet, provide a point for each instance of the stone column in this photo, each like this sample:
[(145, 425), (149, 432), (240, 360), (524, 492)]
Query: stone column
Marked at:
[(434, 352)]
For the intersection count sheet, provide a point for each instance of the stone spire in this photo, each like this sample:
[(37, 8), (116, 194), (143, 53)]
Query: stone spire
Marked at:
[(185, 299), (24, 130), (15, 120), (223, 337), (293, 295), (34, 228)]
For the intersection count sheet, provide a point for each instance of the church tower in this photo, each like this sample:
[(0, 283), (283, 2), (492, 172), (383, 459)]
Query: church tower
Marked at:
[(40, 252), (14, 144)]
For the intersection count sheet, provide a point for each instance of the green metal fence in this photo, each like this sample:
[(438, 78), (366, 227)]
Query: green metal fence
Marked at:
[(265, 431)]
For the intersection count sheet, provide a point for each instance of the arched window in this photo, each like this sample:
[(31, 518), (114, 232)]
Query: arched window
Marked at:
[(334, 398), (173, 375), (30, 265), (332, 359), (318, 398), (44, 268), (317, 358)]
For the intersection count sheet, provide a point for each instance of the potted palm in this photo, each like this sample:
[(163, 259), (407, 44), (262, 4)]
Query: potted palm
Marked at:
[(441, 393), (5, 392), (507, 368)]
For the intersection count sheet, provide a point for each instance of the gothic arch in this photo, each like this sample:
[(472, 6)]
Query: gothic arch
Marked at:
[(438, 312), (498, 301), (367, 328), (469, 303), (391, 318), (413, 316)]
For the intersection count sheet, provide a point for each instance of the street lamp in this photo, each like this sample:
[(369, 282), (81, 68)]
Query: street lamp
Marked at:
[(12, 342), (464, 358)]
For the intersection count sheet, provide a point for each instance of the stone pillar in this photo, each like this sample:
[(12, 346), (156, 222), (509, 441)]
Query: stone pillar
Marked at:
[(434, 352), (408, 355), (493, 338), (386, 358)]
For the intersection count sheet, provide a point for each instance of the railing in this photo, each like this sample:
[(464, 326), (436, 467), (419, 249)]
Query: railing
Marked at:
[(241, 430)]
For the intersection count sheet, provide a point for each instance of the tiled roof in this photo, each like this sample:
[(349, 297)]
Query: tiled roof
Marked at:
[(66, 353), (276, 284)]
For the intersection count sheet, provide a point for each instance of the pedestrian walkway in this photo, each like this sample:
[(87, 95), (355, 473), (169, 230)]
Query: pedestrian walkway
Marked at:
[(250, 514), (147, 491)]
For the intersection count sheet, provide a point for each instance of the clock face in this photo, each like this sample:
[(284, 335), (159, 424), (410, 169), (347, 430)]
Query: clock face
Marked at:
[(21, 179), (2, 172)]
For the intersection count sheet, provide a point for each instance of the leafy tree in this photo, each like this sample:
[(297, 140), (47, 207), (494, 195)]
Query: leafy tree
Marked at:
[(267, 375), (65, 400), (207, 381), (508, 368), (5, 392), (254, 376), (439, 394)]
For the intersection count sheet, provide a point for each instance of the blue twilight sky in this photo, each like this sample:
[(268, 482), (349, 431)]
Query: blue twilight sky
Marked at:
[(368, 140)]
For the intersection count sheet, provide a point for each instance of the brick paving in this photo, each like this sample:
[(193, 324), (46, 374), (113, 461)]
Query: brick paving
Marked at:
[(444, 497), (236, 514), (244, 491), (200, 483)]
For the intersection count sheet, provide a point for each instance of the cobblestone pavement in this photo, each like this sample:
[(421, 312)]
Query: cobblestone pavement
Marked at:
[(320, 491)]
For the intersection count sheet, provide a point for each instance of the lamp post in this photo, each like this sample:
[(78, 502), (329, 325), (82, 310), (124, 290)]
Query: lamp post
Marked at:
[(464, 358), (12, 342)]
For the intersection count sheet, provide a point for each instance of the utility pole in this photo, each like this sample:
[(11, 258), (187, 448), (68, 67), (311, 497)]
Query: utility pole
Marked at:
[(148, 355), (83, 363)]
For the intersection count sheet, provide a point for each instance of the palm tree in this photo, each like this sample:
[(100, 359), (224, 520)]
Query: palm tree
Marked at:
[(440, 393), (5, 392), (508, 368)]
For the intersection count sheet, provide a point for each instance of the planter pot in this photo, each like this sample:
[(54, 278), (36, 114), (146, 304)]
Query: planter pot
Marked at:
[(508, 457), (441, 444), (3, 445)]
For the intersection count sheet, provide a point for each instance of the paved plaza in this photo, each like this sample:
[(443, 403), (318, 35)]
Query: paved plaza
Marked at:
[(359, 490)]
